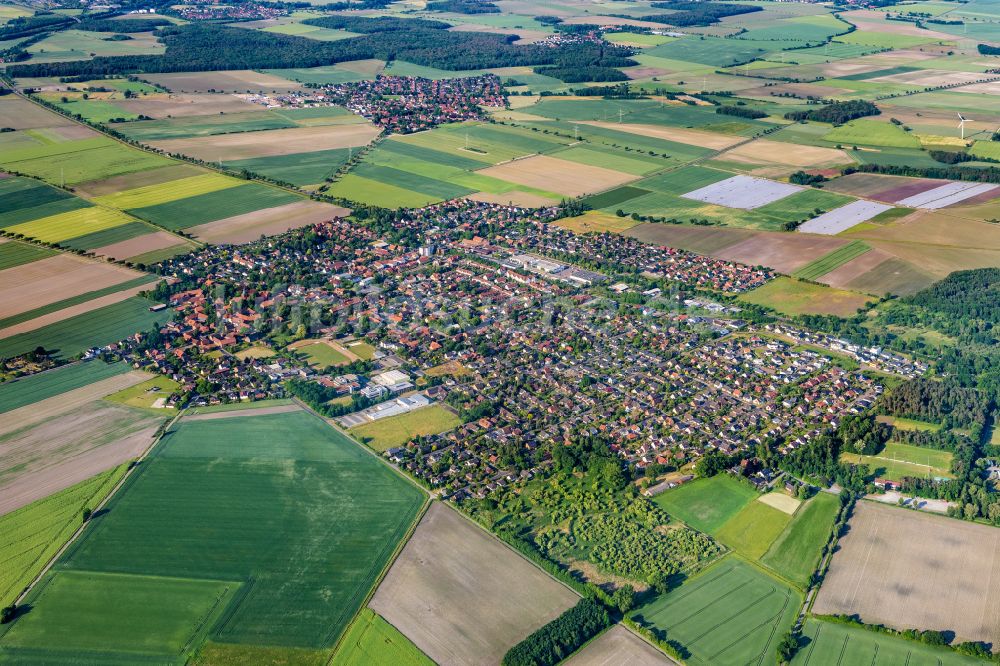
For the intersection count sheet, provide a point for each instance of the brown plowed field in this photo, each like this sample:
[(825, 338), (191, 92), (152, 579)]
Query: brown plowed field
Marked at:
[(556, 175), (267, 222), (157, 240), (268, 143)]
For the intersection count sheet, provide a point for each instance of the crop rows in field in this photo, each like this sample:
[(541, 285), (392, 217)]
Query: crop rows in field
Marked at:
[(835, 259)]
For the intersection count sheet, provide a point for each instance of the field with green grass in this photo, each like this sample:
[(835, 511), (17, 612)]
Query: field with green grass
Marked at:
[(80, 160), (707, 504), (74, 224), (793, 297), (31, 389), (160, 193), (34, 533), (372, 640), (322, 355), (730, 614), (752, 531), (13, 253), (796, 551), (299, 169), (146, 394), (393, 431), (217, 205), (871, 133), (835, 644), (309, 521), (899, 460), (96, 328), (837, 258)]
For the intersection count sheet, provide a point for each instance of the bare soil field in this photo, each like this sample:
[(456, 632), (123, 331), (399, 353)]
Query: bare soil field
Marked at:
[(20, 114), (516, 198), (680, 135), (242, 80), (869, 185), (39, 460), (619, 647), (873, 21), (930, 77), (556, 175), (53, 279), (701, 240), (157, 240), (462, 596), (763, 151), (130, 181), (251, 226), (894, 276), (842, 276), (268, 143), (782, 252), (72, 311), (183, 104), (909, 569)]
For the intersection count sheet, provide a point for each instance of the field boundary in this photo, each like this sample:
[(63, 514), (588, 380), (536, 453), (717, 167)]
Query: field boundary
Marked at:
[(129, 473)]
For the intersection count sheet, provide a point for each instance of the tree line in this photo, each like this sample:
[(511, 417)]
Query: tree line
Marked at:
[(690, 14), (836, 113), (561, 637)]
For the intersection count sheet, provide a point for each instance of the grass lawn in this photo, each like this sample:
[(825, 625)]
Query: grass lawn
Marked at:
[(794, 297), (397, 430), (707, 504), (910, 424), (362, 350), (34, 533), (147, 393), (322, 355), (372, 640), (257, 351), (835, 644), (730, 614), (301, 523), (795, 553), (752, 531), (31, 389), (897, 460)]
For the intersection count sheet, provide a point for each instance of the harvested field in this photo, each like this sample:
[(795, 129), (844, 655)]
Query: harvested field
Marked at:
[(783, 252), (53, 279), (513, 198), (246, 145), (45, 457), (21, 115), (126, 249), (556, 175), (251, 226), (743, 192), (781, 502), (843, 218), (845, 274), (238, 81), (180, 105), (929, 588), (763, 151), (794, 297), (680, 135), (462, 596), (702, 240), (596, 221), (878, 186), (616, 647)]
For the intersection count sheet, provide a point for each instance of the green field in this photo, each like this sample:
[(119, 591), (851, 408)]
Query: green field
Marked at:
[(301, 523), (74, 224), (96, 328), (146, 394), (752, 531), (322, 355), (718, 52), (14, 254), (372, 640), (707, 504), (172, 190), (731, 614), (898, 460), (365, 190), (212, 206), (911, 424), (795, 553), (26, 199), (398, 430), (93, 110), (75, 300), (31, 389), (794, 297), (34, 533), (836, 644), (828, 262), (299, 169), (872, 133), (325, 76), (78, 161)]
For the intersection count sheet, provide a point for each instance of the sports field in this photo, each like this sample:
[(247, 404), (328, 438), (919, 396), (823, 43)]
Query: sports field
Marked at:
[(752, 531), (321, 355), (309, 520), (929, 588), (836, 644), (898, 460), (795, 553), (393, 431), (707, 504), (730, 614)]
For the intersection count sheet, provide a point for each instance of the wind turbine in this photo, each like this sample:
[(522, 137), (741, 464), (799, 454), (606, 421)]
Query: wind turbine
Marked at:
[(961, 124)]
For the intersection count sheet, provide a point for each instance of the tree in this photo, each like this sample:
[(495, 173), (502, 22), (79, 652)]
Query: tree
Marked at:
[(787, 648), (623, 598), (87, 513), (8, 613)]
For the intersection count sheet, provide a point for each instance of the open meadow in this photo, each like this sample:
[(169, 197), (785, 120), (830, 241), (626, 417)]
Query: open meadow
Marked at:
[(237, 590), (930, 588), (392, 431), (461, 595), (707, 504)]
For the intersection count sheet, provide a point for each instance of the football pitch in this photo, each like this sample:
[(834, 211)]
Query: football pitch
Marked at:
[(254, 530)]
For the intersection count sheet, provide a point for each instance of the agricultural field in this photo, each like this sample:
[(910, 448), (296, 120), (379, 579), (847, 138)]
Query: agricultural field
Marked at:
[(27, 390), (372, 640), (392, 431), (140, 547), (834, 644), (78, 160), (795, 553), (820, 267), (707, 504), (462, 596), (34, 533), (270, 143), (752, 531), (927, 589), (730, 613), (618, 645), (792, 297), (147, 395)]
